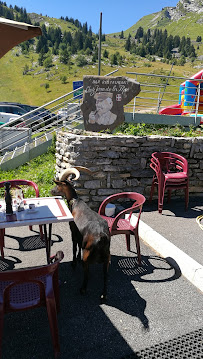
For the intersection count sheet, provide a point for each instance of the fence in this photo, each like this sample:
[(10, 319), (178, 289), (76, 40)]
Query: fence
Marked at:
[(157, 92), (164, 95)]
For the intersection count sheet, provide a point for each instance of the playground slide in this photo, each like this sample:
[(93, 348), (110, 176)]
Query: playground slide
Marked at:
[(187, 98), (172, 110)]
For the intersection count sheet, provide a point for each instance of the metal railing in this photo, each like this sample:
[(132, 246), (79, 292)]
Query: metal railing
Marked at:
[(33, 128), (161, 94)]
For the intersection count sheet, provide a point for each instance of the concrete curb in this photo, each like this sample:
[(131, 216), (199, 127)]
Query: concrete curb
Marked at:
[(190, 269)]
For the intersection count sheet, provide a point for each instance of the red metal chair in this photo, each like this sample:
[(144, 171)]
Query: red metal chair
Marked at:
[(24, 289), (17, 183), (124, 223), (171, 173)]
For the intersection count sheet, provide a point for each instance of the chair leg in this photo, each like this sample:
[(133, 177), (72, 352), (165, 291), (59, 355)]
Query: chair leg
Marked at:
[(2, 244), (1, 327), (51, 311), (152, 191), (161, 190), (56, 289), (127, 238), (41, 233), (186, 197), (137, 241)]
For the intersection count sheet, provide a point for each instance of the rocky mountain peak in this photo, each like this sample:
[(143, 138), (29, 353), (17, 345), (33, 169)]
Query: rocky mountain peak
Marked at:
[(183, 7)]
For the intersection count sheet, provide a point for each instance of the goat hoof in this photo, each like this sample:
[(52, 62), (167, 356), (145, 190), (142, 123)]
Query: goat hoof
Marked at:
[(82, 291), (103, 298)]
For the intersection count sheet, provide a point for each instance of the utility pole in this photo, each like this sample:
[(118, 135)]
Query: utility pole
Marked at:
[(99, 50)]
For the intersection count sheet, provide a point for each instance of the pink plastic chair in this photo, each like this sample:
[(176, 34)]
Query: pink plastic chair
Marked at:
[(128, 225), (16, 183), (171, 173), (24, 289)]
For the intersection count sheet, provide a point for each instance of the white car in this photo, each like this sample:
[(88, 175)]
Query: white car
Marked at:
[(63, 112), (9, 112), (8, 117)]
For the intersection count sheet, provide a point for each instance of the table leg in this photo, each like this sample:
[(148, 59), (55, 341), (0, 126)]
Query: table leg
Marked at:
[(2, 233), (48, 241)]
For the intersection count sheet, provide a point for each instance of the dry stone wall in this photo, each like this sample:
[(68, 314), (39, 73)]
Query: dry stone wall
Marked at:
[(121, 163)]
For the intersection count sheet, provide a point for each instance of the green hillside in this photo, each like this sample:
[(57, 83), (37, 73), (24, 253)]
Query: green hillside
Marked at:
[(190, 25), (23, 79), (50, 21)]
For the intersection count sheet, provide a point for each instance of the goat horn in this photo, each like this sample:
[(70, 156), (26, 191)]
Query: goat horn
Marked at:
[(65, 174), (83, 169)]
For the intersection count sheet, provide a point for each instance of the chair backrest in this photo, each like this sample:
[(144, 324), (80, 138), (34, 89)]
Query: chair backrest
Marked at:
[(27, 288), (168, 162), (138, 199), (16, 183)]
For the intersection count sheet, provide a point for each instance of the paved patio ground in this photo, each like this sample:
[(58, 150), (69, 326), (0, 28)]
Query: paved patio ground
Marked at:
[(151, 312)]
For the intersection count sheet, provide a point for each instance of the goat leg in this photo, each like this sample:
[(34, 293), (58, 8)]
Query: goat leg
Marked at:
[(79, 253), (103, 296), (85, 278), (74, 262)]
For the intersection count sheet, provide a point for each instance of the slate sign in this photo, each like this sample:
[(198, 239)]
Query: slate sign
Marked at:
[(103, 100)]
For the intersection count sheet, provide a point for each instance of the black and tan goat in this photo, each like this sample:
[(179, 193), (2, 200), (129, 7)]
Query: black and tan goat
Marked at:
[(89, 231)]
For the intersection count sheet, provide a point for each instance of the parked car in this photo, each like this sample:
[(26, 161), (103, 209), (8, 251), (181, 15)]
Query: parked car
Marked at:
[(70, 111), (42, 112), (10, 111), (13, 110), (6, 117)]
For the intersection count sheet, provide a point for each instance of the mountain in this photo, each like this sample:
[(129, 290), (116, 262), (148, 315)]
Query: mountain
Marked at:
[(45, 68), (185, 19)]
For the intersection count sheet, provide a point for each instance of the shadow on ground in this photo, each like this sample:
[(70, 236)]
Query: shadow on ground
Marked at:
[(30, 243), (87, 328), (177, 207)]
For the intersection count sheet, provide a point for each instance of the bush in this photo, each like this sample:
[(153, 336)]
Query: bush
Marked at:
[(142, 129), (47, 63), (63, 79), (181, 61), (25, 69), (105, 54), (46, 85), (81, 61), (113, 60)]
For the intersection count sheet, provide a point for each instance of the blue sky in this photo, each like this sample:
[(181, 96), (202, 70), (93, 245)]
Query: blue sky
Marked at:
[(116, 15)]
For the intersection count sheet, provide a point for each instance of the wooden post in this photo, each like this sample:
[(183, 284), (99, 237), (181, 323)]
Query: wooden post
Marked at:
[(99, 50)]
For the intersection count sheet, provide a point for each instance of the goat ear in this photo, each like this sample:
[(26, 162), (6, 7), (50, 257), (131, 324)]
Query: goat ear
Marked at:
[(56, 181)]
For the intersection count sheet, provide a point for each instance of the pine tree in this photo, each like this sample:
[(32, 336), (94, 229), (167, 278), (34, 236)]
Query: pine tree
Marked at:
[(121, 35), (128, 43)]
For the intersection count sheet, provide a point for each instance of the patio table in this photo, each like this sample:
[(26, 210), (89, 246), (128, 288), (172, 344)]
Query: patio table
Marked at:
[(46, 211)]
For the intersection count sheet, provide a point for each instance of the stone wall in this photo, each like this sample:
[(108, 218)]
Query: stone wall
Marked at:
[(122, 162)]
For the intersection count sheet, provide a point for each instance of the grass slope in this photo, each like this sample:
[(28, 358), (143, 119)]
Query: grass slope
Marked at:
[(190, 25), (40, 170), (30, 88)]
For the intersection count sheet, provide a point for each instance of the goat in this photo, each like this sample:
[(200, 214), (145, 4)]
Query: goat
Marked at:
[(89, 230)]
